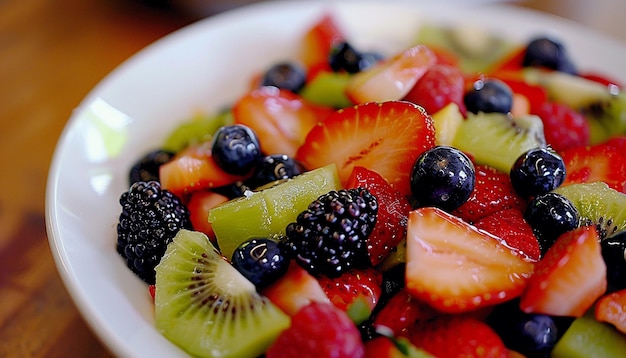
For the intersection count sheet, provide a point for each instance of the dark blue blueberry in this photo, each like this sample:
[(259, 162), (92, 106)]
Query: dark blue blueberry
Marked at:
[(236, 149), (275, 167), (533, 335), (443, 177), (614, 254), (344, 57), (549, 53), (286, 75), (550, 215), (147, 167), (536, 172), (233, 190), (262, 261), (489, 96)]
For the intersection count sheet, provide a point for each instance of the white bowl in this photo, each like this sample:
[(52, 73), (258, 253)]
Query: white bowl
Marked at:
[(204, 67)]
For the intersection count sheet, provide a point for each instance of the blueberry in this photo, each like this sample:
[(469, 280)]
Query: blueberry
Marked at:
[(614, 255), (443, 177), (489, 96), (275, 167), (260, 260), (236, 149), (550, 215), (344, 57), (537, 171), (147, 167), (549, 53), (286, 75)]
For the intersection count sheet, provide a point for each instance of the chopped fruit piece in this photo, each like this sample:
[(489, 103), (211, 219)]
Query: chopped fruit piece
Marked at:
[(458, 336), (318, 330), (296, 289), (391, 79), (194, 169), (440, 85), (401, 313), (384, 137), (199, 205), (318, 41), (569, 278), (280, 118), (587, 337), (455, 267), (564, 127), (393, 211), (510, 226), (600, 162), (447, 122), (390, 347), (611, 308), (328, 89), (493, 192), (352, 285)]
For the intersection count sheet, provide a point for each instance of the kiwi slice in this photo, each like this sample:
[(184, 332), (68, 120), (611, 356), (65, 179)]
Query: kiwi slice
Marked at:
[(205, 306), (328, 89), (267, 212), (603, 106), (587, 337), (198, 129), (498, 139), (598, 205)]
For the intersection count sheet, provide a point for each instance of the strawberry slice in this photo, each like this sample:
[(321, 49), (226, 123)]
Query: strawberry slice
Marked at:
[(194, 169), (199, 205), (393, 212), (601, 162), (611, 308), (280, 118), (385, 137), (569, 278), (401, 313), (356, 284), (319, 40), (458, 336), (393, 78), (510, 226), (455, 267), (493, 192), (439, 86)]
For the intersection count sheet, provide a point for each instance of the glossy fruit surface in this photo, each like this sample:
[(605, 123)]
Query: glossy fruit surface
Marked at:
[(489, 96), (290, 76), (236, 149), (549, 53), (536, 172), (550, 215), (262, 261)]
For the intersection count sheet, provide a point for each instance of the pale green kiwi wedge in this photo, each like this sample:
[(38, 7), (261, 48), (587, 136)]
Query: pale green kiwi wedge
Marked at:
[(267, 213), (497, 139), (447, 122), (206, 307), (198, 129), (588, 338), (328, 89), (603, 106), (598, 205)]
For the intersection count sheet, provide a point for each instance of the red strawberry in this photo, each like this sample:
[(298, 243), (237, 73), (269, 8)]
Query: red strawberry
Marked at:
[(569, 278), (384, 137), (510, 226), (152, 291), (601, 78), (440, 85), (199, 205), (280, 118), (618, 142), (493, 192), (393, 211), (401, 312), (564, 127), (318, 41), (455, 267), (536, 95), (296, 289), (511, 62), (390, 347), (194, 169), (318, 330), (356, 284), (601, 162), (611, 308), (392, 78), (458, 336)]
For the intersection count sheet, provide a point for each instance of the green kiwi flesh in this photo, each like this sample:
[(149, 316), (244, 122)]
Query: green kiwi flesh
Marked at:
[(198, 129), (497, 139), (205, 306), (587, 337), (328, 89), (598, 205)]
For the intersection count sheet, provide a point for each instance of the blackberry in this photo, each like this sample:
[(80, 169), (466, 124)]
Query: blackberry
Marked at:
[(150, 219), (330, 237)]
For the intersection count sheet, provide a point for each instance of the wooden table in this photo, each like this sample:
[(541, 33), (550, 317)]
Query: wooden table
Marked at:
[(52, 52)]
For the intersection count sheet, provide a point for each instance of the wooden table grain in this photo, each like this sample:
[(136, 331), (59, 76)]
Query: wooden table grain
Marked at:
[(52, 52)]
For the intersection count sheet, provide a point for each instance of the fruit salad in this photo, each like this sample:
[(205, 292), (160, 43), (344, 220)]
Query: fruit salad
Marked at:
[(430, 203)]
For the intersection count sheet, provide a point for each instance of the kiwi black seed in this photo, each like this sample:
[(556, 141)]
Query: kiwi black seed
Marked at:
[(598, 205), (204, 305)]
